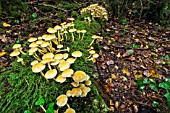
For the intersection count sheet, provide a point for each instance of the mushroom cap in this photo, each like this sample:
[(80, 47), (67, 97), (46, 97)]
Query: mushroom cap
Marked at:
[(59, 46), (51, 30), (55, 62), (63, 65), (48, 55), (95, 36), (79, 76), (65, 55), (39, 42), (60, 79), (49, 37), (51, 74), (33, 44), (62, 100), (65, 32), (15, 53), (19, 59), (78, 31), (34, 62), (77, 54), (38, 67), (40, 37), (75, 84), (95, 55), (71, 19), (58, 56), (44, 44), (67, 73), (70, 110), (72, 30), (47, 60), (32, 39), (62, 24), (44, 36), (15, 46), (70, 60), (88, 82), (32, 50), (57, 27), (87, 77), (84, 90), (83, 31), (69, 93), (92, 51), (76, 92)]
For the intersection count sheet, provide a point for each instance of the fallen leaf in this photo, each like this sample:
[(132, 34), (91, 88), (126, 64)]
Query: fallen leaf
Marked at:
[(111, 103), (6, 24), (126, 71), (116, 104), (2, 38), (146, 73), (110, 62), (2, 53), (113, 76)]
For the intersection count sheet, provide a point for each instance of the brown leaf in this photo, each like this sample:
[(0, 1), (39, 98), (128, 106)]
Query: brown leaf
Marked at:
[(2, 38), (126, 71)]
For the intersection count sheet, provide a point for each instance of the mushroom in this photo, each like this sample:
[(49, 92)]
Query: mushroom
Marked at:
[(79, 76), (65, 33), (72, 19), (69, 93), (32, 39), (84, 90), (93, 37), (63, 65), (67, 49), (57, 27), (71, 31), (32, 51), (47, 61), (67, 73), (62, 100), (51, 30), (65, 55), (83, 31), (88, 82), (75, 84), (77, 54), (15, 53), (51, 74), (70, 60), (37, 68), (70, 110), (34, 62), (60, 79), (58, 56), (18, 46), (21, 60), (48, 55), (79, 31), (76, 92), (91, 53)]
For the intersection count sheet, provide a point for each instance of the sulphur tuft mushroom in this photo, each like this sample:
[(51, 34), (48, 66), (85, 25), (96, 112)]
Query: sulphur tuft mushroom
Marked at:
[(79, 76), (60, 79), (75, 84), (18, 46), (69, 93), (77, 54), (71, 31), (51, 74), (76, 92), (70, 60), (51, 30), (83, 31), (37, 68), (63, 65), (67, 73), (88, 82), (70, 110), (62, 100)]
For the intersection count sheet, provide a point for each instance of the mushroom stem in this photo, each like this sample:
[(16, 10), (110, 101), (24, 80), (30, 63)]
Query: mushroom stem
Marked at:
[(55, 41), (43, 108), (68, 105), (20, 49), (36, 57), (66, 36), (79, 36), (91, 42), (22, 62), (88, 57), (40, 51), (58, 37), (43, 75), (43, 49), (72, 37), (49, 66), (82, 36)]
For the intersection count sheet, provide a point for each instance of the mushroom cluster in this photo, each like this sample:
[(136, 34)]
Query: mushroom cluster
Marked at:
[(95, 11), (17, 50), (53, 60), (93, 55)]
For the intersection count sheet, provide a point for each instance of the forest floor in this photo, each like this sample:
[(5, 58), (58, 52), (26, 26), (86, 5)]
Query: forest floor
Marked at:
[(133, 68)]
